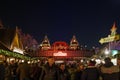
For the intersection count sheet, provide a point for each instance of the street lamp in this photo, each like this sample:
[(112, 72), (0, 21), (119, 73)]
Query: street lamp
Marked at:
[(107, 52)]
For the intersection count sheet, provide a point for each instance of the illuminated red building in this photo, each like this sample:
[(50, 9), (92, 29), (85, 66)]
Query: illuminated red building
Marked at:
[(61, 50)]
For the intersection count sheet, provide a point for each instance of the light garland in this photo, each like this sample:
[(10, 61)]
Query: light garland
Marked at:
[(13, 54)]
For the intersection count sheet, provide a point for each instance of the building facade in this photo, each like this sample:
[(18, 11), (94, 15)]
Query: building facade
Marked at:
[(63, 50)]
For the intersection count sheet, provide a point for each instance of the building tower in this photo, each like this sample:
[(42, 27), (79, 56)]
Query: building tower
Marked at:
[(16, 44), (113, 30), (45, 45), (74, 43)]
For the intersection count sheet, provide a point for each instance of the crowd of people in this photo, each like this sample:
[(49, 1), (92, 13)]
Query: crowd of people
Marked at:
[(62, 71)]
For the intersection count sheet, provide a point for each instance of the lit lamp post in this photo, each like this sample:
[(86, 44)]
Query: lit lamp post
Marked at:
[(107, 52)]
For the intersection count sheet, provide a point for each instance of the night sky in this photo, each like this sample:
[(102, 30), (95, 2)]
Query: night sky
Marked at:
[(88, 20)]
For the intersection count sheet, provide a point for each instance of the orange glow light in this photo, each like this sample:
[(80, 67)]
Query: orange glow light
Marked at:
[(59, 54)]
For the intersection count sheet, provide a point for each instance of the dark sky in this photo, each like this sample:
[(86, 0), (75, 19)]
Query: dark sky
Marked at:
[(88, 20)]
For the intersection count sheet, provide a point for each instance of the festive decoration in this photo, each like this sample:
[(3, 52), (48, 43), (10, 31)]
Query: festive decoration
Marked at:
[(15, 55), (45, 45), (74, 43), (112, 37)]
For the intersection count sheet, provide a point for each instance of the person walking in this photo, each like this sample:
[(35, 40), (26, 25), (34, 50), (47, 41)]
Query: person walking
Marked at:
[(24, 71), (63, 72), (91, 72), (49, 70), (109, 71), (35, 72), (2, 71), (79, 71)]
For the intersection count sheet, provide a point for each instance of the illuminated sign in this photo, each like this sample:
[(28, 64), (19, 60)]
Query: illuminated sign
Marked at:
[(59, 54), (109, 39), (18, 50), (112, 37)]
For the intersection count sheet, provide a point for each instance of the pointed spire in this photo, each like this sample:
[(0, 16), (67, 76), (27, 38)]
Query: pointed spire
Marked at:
[(74, 38), (113, 29), (46, 38), (45, 45), (17, 40), (74, 43), (17, 30)]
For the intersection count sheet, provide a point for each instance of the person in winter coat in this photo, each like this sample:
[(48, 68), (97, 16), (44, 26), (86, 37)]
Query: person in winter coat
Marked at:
[(35, 72), (24, 71), (63, 72), (79, 71), (8, 75), (49, 70), (109, 71), (91, 72), (2, 71), (118, 63)]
